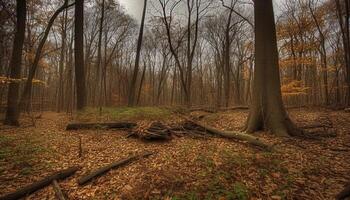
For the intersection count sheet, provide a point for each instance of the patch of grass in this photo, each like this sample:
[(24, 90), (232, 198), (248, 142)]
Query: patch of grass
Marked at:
[(125, 113), (234, 158), (240, 191), (19, 152), (206, 161), (26, 171)]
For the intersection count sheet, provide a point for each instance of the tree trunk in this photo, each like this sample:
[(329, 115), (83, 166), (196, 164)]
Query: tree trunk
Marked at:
[(15, 65), (131, 98), (79, 54), (141, 83), (344, 27), (60, 98), (267, 111), (98, 78)]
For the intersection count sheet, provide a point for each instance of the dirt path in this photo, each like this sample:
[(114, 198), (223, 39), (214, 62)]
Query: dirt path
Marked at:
[(184, 168)]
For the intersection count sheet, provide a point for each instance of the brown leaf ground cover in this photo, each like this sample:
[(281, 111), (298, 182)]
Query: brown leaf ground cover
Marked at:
[(183, 168)]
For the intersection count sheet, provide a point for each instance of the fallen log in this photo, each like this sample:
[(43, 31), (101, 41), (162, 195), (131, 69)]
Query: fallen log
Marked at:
[(208, 110), (107, 125), (222, 109), (40, 184), (234, 135), (103, 170), (234, 108), (58, 192)]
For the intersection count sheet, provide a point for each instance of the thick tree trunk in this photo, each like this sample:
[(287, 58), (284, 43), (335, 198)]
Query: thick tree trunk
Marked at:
[(79, 54), (343, 20), (15, 65), (267, 111)]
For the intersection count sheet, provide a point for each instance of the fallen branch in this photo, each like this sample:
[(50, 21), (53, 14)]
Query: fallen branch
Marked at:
[(223, 109), (40, 184), (313, 126), (58, 192), (208, 110), (234, 108), (234, 135), (114, 165), (110, 125)]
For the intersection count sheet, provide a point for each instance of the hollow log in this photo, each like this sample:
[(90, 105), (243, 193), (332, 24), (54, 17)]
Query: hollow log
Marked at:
[(40, 184), (58, 192), (108, 125), (234, 135), (114, 165)]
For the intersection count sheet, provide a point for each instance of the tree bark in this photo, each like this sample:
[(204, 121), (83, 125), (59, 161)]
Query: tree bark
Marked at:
[(12, 111), (79, 54), (60, 98), (267, 111), (98, 79), (344, 27)]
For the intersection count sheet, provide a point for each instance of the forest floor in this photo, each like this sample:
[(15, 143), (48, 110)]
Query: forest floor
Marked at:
[(182, 168)]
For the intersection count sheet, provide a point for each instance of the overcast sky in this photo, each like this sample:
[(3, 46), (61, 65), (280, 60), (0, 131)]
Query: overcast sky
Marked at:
[(134, 7)]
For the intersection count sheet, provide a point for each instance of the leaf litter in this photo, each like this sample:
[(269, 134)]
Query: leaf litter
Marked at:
[(182, 168)]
